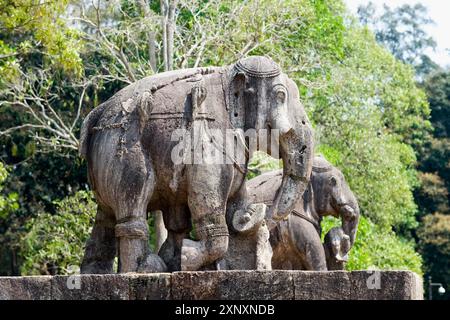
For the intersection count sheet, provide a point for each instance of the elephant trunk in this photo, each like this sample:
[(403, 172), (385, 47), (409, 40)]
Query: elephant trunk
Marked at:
[(350, 220), (296, 150)]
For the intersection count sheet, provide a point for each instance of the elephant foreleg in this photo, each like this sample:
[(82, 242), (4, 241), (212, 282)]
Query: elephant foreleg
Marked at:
[(314, 257), (207, 200), (101, 247), (178, 224), (306, 241)]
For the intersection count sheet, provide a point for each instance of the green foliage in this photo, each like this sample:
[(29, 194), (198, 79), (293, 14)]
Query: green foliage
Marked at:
[(29, 24), (367, 132), (261, 162), (8, 202), (55, 242), (437, 87), (378, 248), (433, 194), (434, 234)]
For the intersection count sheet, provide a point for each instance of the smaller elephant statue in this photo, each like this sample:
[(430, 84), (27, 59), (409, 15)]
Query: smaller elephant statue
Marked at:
[(337, 246), (296, 240)]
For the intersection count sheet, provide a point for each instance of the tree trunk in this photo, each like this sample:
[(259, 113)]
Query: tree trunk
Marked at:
[(152, 50), (170, 32), (14, 266), (164, 17), (150, 35)]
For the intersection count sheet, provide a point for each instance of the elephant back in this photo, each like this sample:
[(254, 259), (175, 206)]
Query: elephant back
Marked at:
[(139, 99)]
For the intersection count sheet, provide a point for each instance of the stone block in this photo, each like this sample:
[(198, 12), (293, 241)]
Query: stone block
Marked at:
[(322, 285), (91, 287), (237, 285), (153, 286), (386, 285), (25, 288), (219, 285)]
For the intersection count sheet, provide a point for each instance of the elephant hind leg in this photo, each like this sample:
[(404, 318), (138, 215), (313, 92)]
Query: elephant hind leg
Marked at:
[(134, 250), (132, 234), (101, 247), (134, 183)]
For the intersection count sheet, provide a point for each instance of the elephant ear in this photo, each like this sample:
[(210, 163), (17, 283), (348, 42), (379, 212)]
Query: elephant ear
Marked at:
[(236, 100)]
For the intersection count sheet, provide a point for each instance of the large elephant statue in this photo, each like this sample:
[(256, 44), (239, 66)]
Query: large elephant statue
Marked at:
[(296, 240), (133, 144)]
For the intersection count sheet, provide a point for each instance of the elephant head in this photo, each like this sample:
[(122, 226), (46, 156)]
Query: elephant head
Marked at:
[(261, 97), (336, 246), (332, 196)]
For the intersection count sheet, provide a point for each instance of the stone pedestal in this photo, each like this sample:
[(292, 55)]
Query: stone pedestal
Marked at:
[(239, 285)]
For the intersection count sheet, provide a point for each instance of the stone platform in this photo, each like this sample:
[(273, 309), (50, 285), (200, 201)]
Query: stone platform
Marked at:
[(238, 285)]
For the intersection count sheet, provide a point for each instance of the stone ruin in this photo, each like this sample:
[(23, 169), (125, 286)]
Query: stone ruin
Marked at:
[(162, 143)]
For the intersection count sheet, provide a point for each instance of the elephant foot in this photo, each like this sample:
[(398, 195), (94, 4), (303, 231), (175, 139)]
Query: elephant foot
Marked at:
[(196, 254), (152, 264), (192, 255)]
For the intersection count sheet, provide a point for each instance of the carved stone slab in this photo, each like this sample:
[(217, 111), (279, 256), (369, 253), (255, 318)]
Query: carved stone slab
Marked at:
[(212, 285)]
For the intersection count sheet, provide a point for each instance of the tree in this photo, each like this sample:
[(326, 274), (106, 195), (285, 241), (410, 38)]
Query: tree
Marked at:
[(55, 242), (8, 205), (402, 32), (437, 87), (434, 234), (8, 202), (433, 194), (27, 26), (367, 118)]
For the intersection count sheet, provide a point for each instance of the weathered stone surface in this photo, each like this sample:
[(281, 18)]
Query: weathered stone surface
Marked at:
[(25, 288), (92, 287), (139, 159), (213, 285), (238, 285), (296, 241), (392, 285), (155, 286), (322, 285)]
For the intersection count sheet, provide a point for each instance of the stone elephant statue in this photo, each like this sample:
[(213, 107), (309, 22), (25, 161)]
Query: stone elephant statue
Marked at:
[(296, 240), (141, 147)]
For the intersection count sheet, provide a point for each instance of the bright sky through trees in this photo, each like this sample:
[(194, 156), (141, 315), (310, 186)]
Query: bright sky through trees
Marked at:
[(438, 10)]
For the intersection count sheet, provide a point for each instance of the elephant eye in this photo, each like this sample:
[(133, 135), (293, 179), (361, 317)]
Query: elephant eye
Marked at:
[(280, 96), (333, 181)]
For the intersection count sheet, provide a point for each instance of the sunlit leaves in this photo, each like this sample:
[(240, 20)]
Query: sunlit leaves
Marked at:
[(55, 242), (34, 24), (8, 202)]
